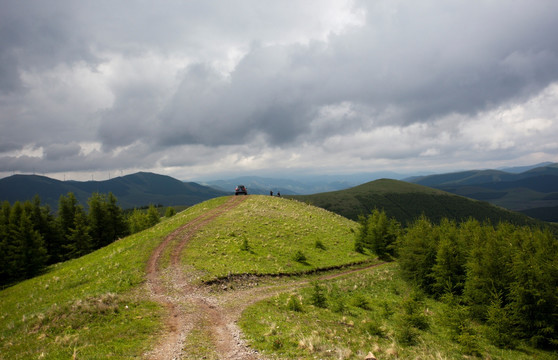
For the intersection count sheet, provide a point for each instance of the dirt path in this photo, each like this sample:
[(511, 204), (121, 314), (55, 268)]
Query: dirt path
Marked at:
[(187, 307), (194, 310)]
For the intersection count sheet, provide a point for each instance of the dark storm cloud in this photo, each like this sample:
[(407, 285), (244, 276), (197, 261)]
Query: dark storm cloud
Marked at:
[(427, 61), (141, 80), (56, 152)]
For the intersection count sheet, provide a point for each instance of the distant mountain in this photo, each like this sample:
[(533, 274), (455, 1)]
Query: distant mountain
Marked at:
[(520, 169), (300, 185), (259, 185), (533, 191), (406, 202), (135, 190)]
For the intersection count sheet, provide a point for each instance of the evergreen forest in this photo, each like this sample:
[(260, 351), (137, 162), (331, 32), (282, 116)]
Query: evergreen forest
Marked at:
[(504, 276), (32, 237)]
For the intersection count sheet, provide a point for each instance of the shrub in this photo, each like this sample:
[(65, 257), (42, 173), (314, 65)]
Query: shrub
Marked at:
[(319, 245), (277, 344), (338, 305), (318, 298), (245, 246), (361, 302), (294, 304), (300, 257), (407, 335), (413, 313), (374, 328), (170, 212)]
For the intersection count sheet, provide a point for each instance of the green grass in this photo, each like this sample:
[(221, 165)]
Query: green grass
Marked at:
[(268, 235), (93, 307), (373, 311)]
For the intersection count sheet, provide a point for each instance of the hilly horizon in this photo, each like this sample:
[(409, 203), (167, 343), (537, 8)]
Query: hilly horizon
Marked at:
[(135, 190), (533, 192)]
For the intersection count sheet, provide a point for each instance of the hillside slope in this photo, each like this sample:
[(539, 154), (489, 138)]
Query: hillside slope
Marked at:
[(99, 306), (135, 190), (406, 202)]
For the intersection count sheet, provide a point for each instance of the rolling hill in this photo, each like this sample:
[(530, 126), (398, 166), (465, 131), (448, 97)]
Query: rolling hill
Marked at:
[(135, 190), (533, 192), (406, 202), (99, 305), (153, 295)]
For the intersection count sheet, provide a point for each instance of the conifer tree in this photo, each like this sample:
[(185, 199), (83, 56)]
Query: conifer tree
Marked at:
[(106, 221), (488, 268), (98, 221), (417, 253), (533, 290), (67, 206), (34, 254), (80, 242), (378, 234), (15, 244), (5, 269), (116, 224), (448, 273), (153, 217)]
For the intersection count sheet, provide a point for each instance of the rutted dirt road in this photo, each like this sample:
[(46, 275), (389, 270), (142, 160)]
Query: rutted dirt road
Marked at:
[(190, 308), (196, 310)]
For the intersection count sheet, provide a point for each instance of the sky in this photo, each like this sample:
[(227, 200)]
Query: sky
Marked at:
[(217, 89)]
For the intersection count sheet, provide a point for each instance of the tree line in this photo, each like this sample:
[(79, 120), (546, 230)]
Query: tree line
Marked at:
[(32, 237), (503, 276)]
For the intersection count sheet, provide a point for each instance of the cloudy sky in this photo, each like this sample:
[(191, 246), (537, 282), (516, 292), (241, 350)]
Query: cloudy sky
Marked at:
[(213, 89)]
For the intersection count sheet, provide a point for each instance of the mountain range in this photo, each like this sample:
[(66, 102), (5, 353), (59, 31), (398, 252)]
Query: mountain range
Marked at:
[(533, 192), (135, 190), (300, 185)]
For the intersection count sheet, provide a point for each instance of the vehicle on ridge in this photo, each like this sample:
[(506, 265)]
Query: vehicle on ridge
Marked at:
[(241, 189)]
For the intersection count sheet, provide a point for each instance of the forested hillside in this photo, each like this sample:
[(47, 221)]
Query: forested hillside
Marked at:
[(533, 192), (32, 237), (406, 202)]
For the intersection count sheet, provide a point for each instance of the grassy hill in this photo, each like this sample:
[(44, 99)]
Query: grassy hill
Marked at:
[(264, 234), (365, 312), (96, 306), (406, 202), (135, 190)]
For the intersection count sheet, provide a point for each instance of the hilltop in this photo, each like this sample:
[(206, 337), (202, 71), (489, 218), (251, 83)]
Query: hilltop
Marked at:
[(135, 190), (407, 201)]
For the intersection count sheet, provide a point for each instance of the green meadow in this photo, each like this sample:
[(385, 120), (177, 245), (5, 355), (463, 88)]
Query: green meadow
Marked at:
[(270, 235), (98, 307), (370, 311), (91, 307)]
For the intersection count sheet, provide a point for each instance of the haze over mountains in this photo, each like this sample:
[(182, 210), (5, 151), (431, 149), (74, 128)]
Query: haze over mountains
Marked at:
[(532, 190)]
